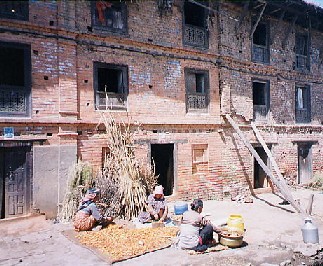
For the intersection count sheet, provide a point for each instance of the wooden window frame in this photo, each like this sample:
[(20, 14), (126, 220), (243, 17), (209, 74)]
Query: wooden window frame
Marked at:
[(112, 100), (303, 114), (196, 163), (264, 108), (19, 92), (300, 56), (265, 49), (104, 28), (197, 101), (193, 35)]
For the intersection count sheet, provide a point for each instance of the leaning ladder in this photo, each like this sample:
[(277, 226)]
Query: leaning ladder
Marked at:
[(280, 181)]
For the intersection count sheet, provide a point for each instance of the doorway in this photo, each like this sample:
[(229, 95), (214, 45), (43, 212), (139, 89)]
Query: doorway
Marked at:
[(304, 162), (162, 155), (259, 176), (15, 181)]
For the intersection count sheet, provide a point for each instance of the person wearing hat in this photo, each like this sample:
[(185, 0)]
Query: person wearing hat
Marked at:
[(195, 232), (156, 206), (88, 216)]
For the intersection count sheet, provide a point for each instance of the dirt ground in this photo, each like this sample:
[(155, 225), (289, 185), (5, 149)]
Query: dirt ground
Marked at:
[(273, 237)]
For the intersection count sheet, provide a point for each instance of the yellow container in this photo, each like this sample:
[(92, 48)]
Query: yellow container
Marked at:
[(235, 223)]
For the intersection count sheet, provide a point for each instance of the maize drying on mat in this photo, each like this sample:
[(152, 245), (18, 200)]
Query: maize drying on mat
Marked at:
[(121, 243)]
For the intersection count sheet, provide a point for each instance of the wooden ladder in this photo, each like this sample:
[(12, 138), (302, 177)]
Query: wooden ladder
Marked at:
[(280, 181)]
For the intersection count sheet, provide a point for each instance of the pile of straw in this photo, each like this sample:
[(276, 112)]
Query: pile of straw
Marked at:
[(125, 182), (80, 178)]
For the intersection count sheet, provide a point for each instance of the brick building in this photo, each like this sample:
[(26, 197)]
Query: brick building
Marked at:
[(173, 67)]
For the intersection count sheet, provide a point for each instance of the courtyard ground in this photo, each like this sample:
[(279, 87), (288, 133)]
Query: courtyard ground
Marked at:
[(273, 237)]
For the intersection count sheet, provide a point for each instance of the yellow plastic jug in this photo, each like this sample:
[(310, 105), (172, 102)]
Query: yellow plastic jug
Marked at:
[(235, 223)]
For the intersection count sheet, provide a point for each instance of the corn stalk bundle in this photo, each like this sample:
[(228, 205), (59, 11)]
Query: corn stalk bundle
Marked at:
[(80, 178), (125, 181)]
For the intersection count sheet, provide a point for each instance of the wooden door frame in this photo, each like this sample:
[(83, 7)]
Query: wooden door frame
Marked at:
[(7, 145), (310, 155)]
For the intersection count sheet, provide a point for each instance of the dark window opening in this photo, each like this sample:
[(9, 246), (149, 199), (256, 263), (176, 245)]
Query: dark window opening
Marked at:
[(110, 15), (110, 83), (200, 83), (197, 89), (301, 51), (260, 48), (14, 10), (194, 14), (301, 47), (15, 79), (12, 66), (260, 96), (302, 105), (195, 28), (260, 35), (259, 93)]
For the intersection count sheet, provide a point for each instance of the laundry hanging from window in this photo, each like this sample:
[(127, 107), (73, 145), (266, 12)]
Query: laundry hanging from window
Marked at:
[(109, 14)]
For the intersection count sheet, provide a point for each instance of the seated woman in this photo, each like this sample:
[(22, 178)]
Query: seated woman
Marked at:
[(88, 216), (195, 232), (157, 209)]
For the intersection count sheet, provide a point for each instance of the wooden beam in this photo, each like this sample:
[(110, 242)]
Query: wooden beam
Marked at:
[(201, 5), (258, 19), (280, 182), (287, 196)]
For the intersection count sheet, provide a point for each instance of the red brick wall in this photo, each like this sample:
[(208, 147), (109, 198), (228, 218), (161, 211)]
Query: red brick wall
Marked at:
[(62, 57)]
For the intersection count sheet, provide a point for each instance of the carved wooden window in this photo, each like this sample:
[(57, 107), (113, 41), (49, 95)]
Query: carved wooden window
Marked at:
[(111, 86), (260, 43), (15, 77), (195, 27), (302, 104), (261, 99), (14, 10), (197, 89), (110, 16), (302, 52)]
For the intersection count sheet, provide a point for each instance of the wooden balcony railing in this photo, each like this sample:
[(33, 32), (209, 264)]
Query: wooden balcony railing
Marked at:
[(13, 100), (260, 54), (196, 101), (301, 62), (111, 101), (195, 36), (260, 112), (303, 115)]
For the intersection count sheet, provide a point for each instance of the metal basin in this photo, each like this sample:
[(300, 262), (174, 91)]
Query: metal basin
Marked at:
[(231, 240)]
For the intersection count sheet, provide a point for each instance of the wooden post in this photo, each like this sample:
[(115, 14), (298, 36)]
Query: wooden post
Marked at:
[(288, 196), (283, 187), (310, 204)]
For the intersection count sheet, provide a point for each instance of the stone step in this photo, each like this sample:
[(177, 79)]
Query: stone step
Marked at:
[(23, 224)]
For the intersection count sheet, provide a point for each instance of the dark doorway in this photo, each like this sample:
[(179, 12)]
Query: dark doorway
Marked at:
[(162, 155), (259, 176), (304, 162), (15, 186)]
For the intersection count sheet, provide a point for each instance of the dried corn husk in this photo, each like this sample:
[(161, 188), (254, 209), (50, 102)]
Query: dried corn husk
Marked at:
[(120, 243)]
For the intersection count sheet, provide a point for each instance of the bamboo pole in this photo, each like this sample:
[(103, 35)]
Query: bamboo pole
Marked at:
[(287, 195)]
